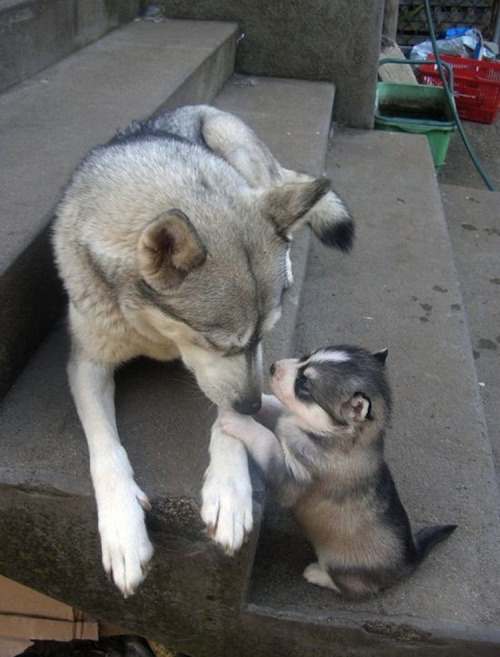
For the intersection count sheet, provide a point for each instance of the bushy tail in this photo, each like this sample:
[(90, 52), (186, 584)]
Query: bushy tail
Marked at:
[(331, 222), (428, 537), (329, 219)]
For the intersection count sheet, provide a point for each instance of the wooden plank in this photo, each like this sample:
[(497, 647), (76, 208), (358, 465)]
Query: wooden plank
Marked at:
[(395, 72)]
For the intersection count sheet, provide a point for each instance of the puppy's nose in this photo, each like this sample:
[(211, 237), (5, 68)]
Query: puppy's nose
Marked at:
[(247, 406), (272, 369)]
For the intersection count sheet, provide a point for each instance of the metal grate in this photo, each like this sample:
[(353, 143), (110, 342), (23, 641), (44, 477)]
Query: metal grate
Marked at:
[(412, 23)]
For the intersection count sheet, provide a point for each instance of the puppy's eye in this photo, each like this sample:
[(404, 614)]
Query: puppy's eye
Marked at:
[(302, 386)]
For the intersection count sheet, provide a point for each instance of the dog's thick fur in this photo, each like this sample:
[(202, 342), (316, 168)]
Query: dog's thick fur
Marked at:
[(172, 241), (325, 460)]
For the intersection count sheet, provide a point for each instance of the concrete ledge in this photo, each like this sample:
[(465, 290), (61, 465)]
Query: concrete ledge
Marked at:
[(35, 34), (48, 124)]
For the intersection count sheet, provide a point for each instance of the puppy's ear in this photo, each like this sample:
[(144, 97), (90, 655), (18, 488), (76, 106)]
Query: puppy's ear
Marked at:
[(359, 408), (381, 355), (169, 249), (287, 204)]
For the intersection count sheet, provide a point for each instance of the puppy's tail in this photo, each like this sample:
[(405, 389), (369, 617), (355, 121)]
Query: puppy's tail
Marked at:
[(428, 537)]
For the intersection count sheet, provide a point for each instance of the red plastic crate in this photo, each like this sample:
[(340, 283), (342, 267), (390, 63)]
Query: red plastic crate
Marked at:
[(476, 86)]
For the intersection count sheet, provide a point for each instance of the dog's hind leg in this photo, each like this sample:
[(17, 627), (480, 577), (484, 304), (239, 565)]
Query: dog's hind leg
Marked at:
[(126, 549), (227, 492)]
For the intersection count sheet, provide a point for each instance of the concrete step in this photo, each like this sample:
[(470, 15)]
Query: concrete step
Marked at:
[(38, 33), (49, 122), (48, 532), (473, 219), (399, 290)]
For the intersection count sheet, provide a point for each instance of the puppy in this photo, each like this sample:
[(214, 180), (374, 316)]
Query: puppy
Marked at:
[(325, 460)]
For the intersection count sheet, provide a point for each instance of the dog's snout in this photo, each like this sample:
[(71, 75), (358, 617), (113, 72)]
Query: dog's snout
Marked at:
[(247, 406), (272, 369)]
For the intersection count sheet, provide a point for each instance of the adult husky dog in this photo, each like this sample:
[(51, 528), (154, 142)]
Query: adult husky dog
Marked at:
[(172, 241)]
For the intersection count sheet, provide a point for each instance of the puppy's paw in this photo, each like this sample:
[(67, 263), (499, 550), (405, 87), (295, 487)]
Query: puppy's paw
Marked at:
[(315, 574), (227, 509), (126, 548), (236, 425)]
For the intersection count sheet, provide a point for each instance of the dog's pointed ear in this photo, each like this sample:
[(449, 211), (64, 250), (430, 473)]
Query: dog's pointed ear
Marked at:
[(359, 408), (287, 204), (169, 249), (381, 355)]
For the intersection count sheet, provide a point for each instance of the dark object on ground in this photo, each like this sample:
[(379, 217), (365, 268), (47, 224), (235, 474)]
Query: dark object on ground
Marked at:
[(113, 646)]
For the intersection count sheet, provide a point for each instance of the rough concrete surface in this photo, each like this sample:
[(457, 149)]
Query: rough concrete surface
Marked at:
[(35, 34), (31, 299), (312, 39), (473, 218), (399, 290)]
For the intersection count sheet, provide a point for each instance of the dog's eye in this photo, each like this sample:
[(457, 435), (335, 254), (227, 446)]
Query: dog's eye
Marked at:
[(302, 386)]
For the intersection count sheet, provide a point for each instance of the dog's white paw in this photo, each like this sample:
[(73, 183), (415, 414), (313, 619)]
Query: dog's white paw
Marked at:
[(126, 548), (227, 509)]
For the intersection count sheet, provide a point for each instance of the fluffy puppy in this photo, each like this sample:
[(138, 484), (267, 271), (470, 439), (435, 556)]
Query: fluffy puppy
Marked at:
[(325, 459)]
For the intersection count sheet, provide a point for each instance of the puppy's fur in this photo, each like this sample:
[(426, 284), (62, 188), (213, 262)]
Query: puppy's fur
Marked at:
[(325, 460), (172, 241)]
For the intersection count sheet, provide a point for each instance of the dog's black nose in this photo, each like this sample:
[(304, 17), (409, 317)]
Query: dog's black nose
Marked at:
[(247, 407), (272, 369)]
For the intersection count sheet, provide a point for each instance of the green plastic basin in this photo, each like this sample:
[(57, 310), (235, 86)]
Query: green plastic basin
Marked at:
[(417, 109)]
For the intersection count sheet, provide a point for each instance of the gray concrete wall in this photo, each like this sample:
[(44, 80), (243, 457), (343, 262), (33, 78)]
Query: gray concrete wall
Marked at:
[(34, 34), (332, 40)]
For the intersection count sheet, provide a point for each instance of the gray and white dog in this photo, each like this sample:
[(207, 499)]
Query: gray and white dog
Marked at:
[(325, 460), (172, 242)]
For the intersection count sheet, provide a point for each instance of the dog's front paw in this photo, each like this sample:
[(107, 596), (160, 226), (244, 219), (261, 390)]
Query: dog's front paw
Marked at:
[(227, 509), (236, 425), (126, 548)]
